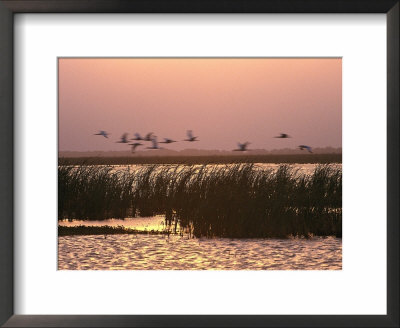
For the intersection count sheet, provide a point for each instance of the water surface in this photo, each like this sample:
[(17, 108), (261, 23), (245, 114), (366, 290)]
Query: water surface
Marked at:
[(159, 252), (155, 223), (301, 168)]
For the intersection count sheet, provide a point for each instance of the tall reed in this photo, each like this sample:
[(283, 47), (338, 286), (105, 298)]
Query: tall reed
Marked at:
[(236, 200)]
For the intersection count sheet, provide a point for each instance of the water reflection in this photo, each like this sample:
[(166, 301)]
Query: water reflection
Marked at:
[(157, 252), (155, 223), (307, 168)]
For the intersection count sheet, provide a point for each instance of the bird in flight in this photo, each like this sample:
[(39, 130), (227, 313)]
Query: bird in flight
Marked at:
[(167, 141), (148, 137), (123, 138), (242, 146), (102, 133), (302, 147), (155, 143), (137, 137), (190, 138), (283, 136), (135, 145)]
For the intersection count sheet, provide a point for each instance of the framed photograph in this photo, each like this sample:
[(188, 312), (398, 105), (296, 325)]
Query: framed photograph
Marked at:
[(199, 164)]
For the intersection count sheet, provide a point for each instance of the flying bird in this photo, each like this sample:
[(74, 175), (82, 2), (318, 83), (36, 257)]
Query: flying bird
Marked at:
[(242, 146), (155, 143), (283, 136), (102, 133), (302, 147), (190, 138), (148, 137), (135, 145), (167, 141), (137, 137), (123, 138)]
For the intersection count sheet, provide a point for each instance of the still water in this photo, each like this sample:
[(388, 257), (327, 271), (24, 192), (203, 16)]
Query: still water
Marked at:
[(155, 223)]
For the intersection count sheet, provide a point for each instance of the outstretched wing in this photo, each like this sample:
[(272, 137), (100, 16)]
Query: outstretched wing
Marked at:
[(189, 134)]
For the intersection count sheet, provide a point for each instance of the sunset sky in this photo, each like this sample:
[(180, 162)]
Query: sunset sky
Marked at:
[(224, 101)]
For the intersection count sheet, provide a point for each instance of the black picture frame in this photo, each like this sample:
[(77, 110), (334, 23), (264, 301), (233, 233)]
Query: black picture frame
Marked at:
[(10, 7)]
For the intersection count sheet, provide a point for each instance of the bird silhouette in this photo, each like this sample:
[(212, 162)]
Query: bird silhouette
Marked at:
[(123, 138), (167, 141), (137, 137), (283, 136), (102, 133), (155, 143), (190, 138), (148, 137), (302, 147), (135, 145), (242, 146)]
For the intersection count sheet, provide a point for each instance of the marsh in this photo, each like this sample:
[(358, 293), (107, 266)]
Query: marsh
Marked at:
[(242, 209)]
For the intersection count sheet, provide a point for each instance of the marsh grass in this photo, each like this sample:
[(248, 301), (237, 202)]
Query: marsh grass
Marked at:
[(236, 200), (93, 192)]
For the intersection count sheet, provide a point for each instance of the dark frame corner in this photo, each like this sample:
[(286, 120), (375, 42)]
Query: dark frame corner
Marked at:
[(10, 7)]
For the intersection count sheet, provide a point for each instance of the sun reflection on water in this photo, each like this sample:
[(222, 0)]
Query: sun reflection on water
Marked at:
[(159, 252)]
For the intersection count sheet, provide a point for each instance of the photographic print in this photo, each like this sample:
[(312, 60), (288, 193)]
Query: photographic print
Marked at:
[(200, 164)]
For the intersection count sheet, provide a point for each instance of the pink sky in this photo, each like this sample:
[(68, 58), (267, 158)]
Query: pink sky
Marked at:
[(224, 101)]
